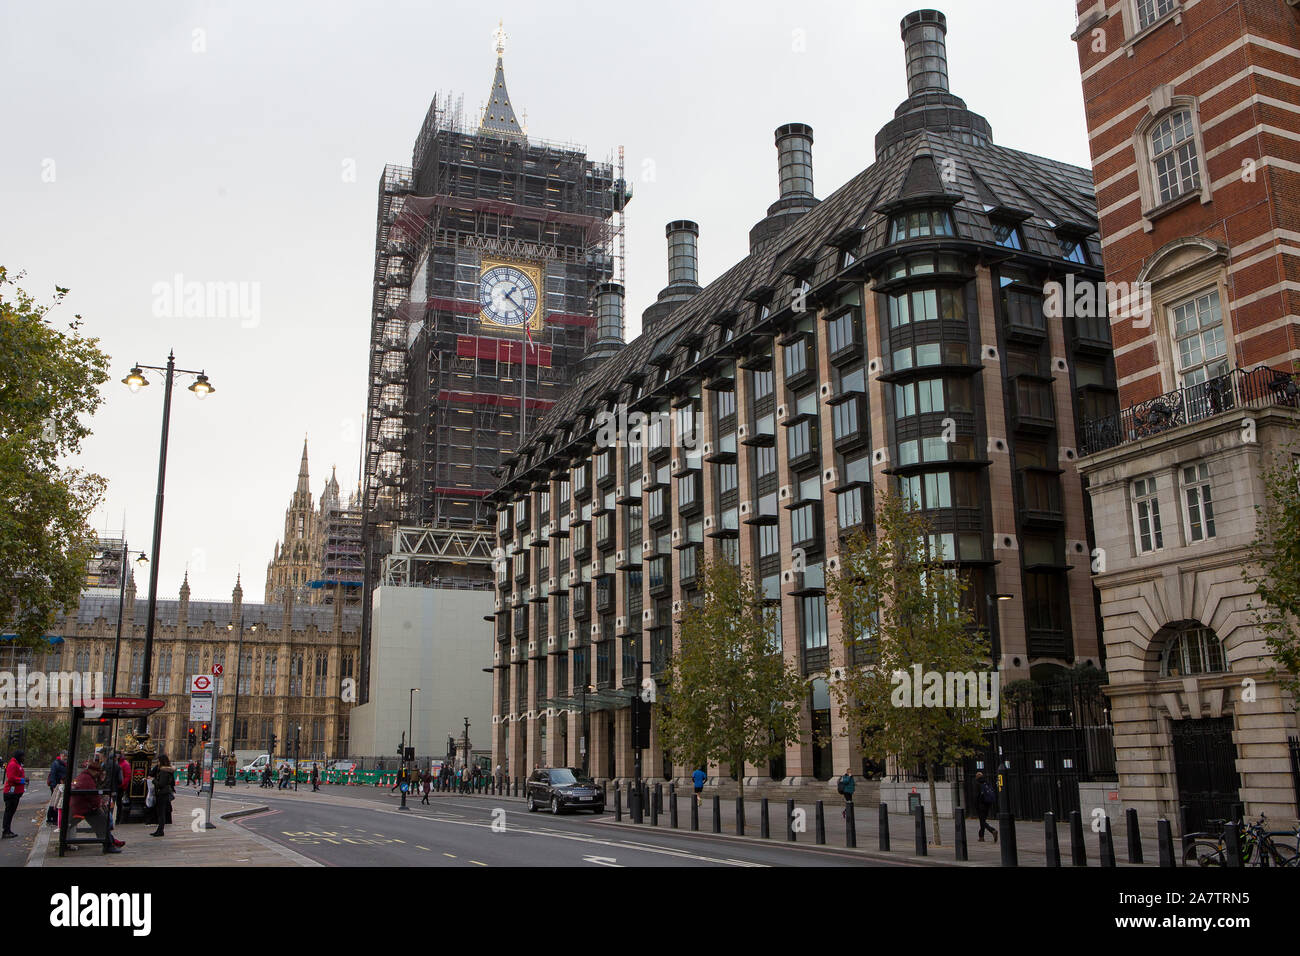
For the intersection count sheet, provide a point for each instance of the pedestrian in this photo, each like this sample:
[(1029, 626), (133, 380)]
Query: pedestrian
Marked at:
[(84, 802), (846, 786), (58, 773), (315, 778), (111, 774), (498, 778), (698, 778), (985, 798), (15, 785), (164, 790), (124, 795), (426, 784), (284, 776)]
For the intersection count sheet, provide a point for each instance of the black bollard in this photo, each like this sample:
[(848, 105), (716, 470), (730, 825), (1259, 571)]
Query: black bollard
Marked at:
[(1107, 844), (1008, 839), (884, 827), (821, 823), (618, 803), (1051, 842), (659, 798), (695, 812), (1232, 844), (740, 816), (1165, 841), (717, 813), (634, 801), (850, 827), (654, 807), (672, 805), (922, 844), (789, 820), (959, 834), (1078, 852), (1134, 835), (764, 825)]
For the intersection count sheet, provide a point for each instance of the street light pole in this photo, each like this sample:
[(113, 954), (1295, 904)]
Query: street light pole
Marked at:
[(121, 606), (135, 380), (466, 744), (995, 648), (239, 670)]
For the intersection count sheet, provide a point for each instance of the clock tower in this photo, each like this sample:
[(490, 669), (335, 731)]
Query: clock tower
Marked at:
[(497, 279)]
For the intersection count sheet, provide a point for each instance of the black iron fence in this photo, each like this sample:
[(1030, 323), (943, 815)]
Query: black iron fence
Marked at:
[(1255, 388)]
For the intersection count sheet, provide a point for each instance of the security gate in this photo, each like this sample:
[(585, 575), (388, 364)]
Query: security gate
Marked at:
[(1205, 762)]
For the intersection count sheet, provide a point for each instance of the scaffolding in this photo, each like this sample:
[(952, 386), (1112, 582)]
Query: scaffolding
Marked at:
[(445, 394)]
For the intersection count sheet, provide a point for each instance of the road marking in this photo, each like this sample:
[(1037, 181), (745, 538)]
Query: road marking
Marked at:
[(452, 855), (418, 847), (602, 861), (477, 863)]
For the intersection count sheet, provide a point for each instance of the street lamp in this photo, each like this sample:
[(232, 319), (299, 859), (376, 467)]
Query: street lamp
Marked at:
[(995, 647), (239, 669), (135, 380), (410, 715), (121, 603), (586, 689)]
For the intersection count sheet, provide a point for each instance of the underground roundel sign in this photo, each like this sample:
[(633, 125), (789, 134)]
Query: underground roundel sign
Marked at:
[(200, 684)]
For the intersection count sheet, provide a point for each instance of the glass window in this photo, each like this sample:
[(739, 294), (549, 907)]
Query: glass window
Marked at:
[(1174, 156), (1198, 334), (814, 621), (1074, 250), (1146, 511), (1149, 11), (920, 224), (1194, 650), (1200, 505), (925, 305), (1007, 234)]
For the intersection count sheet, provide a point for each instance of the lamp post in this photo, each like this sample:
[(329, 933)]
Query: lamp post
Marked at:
[(466, 745), (410, 716), (239, 669), (201, 388), (586, 688), (297, 737), (121, 604), (995, 647)]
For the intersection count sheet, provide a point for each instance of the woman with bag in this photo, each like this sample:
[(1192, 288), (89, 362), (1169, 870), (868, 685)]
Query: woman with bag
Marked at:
[(164, 790)]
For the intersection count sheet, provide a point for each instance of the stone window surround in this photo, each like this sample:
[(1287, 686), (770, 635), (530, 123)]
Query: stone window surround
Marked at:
[(1206, 272), (1155, 548), (1184, 509), (1161, 103)]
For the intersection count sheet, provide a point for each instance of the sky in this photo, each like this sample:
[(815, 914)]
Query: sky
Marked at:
[(239, 145)]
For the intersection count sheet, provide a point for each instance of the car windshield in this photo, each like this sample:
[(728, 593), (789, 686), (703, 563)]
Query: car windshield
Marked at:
[(567, 776)]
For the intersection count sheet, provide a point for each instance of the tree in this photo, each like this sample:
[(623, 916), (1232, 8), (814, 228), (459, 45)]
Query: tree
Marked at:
[(49, 387), (731, 695), (1274, 569), (904, 621)]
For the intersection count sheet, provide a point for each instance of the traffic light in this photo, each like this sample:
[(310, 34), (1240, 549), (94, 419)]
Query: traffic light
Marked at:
[(191, 736), (207, 734), (410, 754), (273, 739), (401, 751)]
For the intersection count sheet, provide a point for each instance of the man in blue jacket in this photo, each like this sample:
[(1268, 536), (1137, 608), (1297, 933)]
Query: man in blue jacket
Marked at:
[(698, 778), (846, 786)]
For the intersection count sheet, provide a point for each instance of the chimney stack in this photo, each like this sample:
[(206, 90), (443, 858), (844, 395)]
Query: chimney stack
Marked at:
[(609, 325), (794, 167), (927, 53), (683, 274)]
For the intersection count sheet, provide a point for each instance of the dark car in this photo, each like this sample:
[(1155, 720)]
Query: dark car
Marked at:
[(564, 788)]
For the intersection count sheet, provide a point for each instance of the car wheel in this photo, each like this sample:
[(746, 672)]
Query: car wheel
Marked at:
[(555, 806), (532, 804), (598, 810)]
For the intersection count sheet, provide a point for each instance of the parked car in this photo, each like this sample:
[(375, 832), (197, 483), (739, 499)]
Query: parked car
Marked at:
[(564, 788)]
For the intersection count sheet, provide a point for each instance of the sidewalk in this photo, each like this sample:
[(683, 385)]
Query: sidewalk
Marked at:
[(1031, 838), (187, 843)]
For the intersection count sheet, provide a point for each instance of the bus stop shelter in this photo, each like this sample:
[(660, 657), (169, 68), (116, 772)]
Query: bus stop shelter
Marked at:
[(107, 711)]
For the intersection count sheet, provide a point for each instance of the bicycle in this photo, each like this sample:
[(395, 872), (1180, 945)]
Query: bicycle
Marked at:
[(1258, 846)]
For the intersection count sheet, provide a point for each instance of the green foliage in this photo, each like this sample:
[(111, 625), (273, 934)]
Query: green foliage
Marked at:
[(903, 608), (43, 739), (732, 696), (1274, 569), (49, 388)]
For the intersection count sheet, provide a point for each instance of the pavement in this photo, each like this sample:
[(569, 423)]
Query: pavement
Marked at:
[(360, 825)]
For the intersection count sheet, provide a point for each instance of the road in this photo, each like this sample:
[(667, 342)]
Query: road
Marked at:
[(363, 827)]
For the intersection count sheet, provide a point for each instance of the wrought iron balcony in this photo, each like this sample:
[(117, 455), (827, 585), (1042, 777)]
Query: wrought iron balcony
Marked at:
[(1257, 388)]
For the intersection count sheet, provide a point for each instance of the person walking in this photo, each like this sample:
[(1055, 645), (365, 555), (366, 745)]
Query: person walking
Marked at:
[(985, 799), (698, 778), (284, 776), (111, 775), (164, 789), (426, 784), (846, 786), (123, 795), (58, 774), (85, 802), (315, 778), (15, 785)]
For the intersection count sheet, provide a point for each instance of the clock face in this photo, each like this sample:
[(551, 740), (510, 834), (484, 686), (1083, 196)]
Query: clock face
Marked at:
[(507, 296)]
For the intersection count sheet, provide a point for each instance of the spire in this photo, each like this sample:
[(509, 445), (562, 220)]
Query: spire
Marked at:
[(499, 116), (304, 485)]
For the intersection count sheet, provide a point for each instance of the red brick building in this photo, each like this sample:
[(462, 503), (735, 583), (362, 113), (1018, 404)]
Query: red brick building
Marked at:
[(1193, 110)]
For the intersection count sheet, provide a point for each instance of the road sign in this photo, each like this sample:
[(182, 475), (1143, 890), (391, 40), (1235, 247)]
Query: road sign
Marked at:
[(218, 670), (200, 706), (200, 683)]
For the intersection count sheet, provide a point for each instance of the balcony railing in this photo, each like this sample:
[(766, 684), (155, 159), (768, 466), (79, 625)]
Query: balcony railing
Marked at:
[(1257, 388)]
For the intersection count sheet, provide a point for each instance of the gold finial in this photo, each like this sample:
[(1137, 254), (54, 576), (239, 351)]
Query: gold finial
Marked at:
[(500, 34)]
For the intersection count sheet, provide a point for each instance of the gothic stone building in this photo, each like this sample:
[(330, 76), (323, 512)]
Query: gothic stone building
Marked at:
[(892, 335)]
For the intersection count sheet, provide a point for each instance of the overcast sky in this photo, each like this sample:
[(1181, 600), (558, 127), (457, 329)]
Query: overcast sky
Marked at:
[(242, 142)]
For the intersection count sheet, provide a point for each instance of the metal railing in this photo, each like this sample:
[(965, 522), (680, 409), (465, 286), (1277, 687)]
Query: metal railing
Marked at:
[(1255, 388)]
